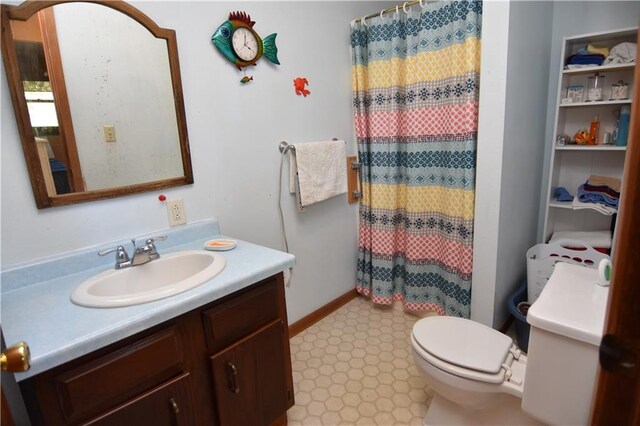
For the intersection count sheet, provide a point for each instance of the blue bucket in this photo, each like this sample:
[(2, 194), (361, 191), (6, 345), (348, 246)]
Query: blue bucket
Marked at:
[(522, 327)]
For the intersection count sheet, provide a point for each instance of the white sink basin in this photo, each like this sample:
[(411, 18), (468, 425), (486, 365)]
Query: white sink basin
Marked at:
[(171, 274)]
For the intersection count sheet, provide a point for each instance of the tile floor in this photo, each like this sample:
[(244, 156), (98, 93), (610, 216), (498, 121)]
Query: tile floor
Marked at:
[(355, 367)]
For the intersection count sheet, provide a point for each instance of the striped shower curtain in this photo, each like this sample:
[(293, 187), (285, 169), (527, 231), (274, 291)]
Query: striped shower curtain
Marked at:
[(415, 79)]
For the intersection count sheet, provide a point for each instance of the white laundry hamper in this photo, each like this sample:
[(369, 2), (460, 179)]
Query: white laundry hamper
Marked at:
[(541, 259)]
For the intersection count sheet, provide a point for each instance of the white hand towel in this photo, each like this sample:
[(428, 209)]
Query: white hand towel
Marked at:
[(601, 208), (318, 171)]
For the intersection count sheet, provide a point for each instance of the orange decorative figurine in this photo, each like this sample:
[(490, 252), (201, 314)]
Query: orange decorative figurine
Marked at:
[(299, 84)]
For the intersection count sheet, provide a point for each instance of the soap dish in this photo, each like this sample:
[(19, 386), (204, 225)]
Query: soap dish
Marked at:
[(220, 244)]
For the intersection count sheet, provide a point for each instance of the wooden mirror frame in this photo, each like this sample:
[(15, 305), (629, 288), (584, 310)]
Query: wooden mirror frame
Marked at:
[(43, 200)]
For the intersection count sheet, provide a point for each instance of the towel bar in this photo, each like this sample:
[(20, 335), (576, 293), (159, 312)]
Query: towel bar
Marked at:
[(285, 147)]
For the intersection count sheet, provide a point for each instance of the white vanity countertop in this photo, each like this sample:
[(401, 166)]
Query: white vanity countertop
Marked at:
[(58, 331)]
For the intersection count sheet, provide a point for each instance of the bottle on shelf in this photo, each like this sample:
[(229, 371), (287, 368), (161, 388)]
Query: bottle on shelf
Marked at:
[(622, 132), (593, 131)]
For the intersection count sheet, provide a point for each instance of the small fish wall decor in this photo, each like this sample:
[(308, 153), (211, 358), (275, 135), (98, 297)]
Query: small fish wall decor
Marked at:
[(299, 84), (241, 45)]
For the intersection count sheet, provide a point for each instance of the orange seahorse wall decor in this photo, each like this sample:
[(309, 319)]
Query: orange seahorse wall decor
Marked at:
[(299, 84)]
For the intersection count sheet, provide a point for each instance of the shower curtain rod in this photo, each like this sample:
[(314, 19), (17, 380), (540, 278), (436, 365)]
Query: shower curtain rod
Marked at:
[(394, 9)]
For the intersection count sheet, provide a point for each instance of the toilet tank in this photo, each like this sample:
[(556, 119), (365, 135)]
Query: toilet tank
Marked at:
[(567, 323)]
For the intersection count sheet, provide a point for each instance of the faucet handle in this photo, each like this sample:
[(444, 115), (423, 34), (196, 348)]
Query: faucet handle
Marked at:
[(153, 251), (111, 250), (122, 258)]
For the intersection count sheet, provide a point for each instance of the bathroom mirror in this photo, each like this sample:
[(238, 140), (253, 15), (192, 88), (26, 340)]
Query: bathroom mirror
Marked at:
[(97, 95)]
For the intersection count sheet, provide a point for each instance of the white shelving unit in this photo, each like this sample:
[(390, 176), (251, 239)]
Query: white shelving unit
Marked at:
[(571, 165), (595, 104)]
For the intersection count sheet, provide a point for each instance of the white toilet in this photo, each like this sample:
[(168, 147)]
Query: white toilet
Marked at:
[(480, 377)]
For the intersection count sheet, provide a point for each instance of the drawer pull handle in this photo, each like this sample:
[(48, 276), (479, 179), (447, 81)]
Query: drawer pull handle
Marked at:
[(232, 373), (174, 405)]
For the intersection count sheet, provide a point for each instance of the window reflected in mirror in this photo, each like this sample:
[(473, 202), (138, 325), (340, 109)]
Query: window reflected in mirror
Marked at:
[(31, 39)]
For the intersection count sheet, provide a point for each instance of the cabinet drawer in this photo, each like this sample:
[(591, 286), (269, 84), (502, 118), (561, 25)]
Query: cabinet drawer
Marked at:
[(242, 315), (166, 405), (114, 378)]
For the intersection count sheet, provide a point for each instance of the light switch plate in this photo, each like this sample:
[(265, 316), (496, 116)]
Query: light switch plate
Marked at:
[(109, 132)]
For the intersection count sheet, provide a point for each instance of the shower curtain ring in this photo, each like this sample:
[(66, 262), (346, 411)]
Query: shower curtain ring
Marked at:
[(382, 15), (404, 7), (363, 21), (421, 5), (397, 11)]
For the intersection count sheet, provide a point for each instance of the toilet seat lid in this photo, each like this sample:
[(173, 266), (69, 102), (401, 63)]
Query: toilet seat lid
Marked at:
[(463, 342)]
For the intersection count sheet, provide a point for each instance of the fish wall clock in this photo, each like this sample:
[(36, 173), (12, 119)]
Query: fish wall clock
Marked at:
[(241, 45)]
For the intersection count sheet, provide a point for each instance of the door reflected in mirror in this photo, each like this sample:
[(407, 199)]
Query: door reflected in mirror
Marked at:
[(103, 100)]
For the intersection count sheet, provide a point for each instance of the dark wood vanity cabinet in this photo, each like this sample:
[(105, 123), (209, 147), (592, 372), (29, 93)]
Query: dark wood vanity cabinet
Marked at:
[(226, 363)]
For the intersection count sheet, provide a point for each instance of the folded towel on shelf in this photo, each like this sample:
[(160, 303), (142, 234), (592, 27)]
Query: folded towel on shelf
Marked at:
[(561, 194), (592, 48), (576, 204), (601, 239), (622, 53), (577, 66), (612, 183), (318, 171), (597, 197), (588, 59), (603, 189)]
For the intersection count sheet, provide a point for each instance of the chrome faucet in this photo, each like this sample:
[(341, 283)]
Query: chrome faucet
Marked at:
[(141, 255), (147, 252)]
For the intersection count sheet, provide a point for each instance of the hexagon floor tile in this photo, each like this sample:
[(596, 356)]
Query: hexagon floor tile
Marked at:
[(354, 367)]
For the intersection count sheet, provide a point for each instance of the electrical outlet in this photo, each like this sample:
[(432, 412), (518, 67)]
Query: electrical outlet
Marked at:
[(175, 209), (109, 132)]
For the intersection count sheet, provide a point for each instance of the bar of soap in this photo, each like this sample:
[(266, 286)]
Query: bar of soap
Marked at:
[(220, 244)]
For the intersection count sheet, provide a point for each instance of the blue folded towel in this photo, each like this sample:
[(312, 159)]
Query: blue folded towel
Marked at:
[(561, 194), (590, 59), (596, 197)]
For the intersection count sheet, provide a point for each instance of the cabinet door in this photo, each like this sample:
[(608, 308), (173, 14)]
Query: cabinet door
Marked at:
[(168, 404), (252, 380)]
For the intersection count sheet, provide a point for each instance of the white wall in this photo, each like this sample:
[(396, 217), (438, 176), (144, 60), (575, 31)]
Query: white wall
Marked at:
[(493, 91), (514, 78), (524, 142), (105, 55), (234, 133), (572, 18)]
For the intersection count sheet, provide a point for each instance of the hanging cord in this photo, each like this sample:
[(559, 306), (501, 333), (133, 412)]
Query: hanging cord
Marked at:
[(287, 272), (284, 232)]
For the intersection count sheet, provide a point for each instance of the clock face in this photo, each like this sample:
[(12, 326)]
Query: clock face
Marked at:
[(245, 44)]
